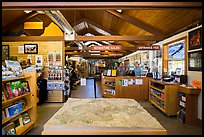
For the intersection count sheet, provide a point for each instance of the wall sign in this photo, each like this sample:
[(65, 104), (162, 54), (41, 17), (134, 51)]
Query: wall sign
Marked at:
[(109, 48), (138, 81), (151, 47), (20, 49)]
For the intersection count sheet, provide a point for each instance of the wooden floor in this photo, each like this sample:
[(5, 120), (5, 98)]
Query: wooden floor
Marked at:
[(171, 124)]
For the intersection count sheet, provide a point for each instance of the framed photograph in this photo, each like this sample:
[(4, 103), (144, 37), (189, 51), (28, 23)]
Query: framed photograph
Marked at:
[(30, 48), (5, 52), (195, 61), (195, 39)]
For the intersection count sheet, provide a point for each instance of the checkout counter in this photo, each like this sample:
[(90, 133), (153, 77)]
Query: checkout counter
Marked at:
[(132, 87)]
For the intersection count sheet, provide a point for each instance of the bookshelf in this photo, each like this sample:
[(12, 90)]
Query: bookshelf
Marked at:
[(163, 95), (188, 105), (109, 86), (31, 104)]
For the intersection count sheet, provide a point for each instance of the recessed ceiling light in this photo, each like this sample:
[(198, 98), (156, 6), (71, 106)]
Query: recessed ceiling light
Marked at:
[(119, 11)]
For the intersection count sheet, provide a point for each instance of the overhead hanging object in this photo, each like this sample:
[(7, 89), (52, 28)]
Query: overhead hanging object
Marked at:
[(59, 19)]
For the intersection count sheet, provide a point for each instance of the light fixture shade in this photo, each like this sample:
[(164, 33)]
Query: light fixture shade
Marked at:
[(33, 25)]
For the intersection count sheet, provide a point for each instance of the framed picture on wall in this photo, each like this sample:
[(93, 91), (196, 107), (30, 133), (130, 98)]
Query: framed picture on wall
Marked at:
[(30, 48), (195, 61), (5, 52), (195, 39)]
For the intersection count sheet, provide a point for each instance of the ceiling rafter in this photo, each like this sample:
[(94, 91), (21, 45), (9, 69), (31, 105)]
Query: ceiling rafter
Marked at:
[(103, 28), (136, 22), (19, 21), (118, 38)]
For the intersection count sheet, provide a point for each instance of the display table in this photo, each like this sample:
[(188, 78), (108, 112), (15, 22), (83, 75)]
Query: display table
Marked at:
[(136, 88), (102, 116)]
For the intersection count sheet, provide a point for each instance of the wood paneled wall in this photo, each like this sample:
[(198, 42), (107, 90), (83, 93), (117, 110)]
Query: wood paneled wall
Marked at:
[(43, 49)]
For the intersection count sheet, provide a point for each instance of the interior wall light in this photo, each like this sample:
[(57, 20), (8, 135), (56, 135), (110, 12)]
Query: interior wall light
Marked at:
[(119, 11), (27, 11)]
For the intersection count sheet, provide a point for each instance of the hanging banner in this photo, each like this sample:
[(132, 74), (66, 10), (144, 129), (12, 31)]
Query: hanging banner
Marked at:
[(151, 47), (108, 48)]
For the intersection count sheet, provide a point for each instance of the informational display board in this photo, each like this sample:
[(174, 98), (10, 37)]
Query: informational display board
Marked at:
[(138, 81), (83, 81)]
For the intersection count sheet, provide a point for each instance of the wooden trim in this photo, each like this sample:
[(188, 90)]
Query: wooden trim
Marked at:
[(118, 38), (32, 38), (136, 23), (89, 48), (185, 50), (95, 5)]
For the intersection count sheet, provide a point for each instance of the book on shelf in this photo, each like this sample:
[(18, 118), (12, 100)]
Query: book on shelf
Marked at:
[(3, 96), (13, 110), (3, 115), (9, 94), (25, 86), (21, 101), (9, 129), (113, 72), (14, 89), (109, 72), (25, 118)]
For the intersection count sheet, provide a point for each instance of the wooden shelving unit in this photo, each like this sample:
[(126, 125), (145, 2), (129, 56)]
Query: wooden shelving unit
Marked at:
[(31, 99), (189, 99), (106, 86), (133, 91), (163, 95)]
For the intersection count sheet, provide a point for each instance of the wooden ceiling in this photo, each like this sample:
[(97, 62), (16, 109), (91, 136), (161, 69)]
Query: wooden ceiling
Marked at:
[(158, 22)]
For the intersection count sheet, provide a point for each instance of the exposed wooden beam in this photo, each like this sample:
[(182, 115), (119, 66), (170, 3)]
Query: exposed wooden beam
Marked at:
[(105, 29), (19, 21), (95, 5), (118, 38), (32, 38), (136, 22), (89, 53), (89, 48)]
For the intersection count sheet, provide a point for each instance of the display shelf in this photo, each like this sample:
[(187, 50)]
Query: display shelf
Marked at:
[(31, 99), (109, 85), (157, 106), (14, 99), (24, 129), (169, 92), (157, 89), (13, 79), (10, 118), (157, 96), (106, 94)]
